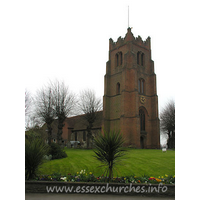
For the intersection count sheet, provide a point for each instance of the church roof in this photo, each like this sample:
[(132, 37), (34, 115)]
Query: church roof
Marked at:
[(79, 122)]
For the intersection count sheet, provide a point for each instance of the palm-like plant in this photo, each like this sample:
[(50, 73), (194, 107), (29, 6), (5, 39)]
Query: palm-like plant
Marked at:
[(35, 150), (109, 150)]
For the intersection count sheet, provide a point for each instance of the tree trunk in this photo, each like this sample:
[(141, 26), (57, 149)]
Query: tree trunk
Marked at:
[(61, 124), (89, 135), (88, 138), (168, 140), (49, 133), (59, 136), (173, 140), (110, 172), (59, 133)]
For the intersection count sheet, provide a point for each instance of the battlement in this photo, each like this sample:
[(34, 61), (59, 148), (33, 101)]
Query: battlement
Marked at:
[(130, 38)]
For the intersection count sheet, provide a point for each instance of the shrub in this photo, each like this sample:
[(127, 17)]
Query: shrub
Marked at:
[(109, 150), (46, 157), (57, 151), (35, 150)]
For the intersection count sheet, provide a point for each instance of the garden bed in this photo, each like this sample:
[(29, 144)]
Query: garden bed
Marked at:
[(84, 176), (84, 183)]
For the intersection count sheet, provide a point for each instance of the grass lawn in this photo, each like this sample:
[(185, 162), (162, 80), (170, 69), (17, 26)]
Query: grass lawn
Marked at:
[(137, 161)]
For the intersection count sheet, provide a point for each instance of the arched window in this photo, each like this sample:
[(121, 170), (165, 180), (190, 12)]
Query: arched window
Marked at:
[(138, 58), (116, 59), (75, 136), (118, 88), (141, 86), (142, 59), (120, 58), (142, 120)]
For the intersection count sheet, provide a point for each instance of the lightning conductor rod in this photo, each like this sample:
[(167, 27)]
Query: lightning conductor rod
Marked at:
[(128, 16)]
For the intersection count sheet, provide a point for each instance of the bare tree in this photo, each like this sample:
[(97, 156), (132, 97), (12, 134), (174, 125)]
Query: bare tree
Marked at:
[(64, 103), (28, 107), (89, 105), (167, 118), (28, 101), (44, 108)]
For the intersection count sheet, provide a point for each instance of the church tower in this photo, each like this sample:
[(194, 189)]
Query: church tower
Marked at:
[(130, 102)]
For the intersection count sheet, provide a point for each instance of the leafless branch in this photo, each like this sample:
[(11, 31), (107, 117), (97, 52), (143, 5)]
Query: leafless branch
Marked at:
[(89, 105), (44, 110), (28, 102), (64, 103), (167, 118)]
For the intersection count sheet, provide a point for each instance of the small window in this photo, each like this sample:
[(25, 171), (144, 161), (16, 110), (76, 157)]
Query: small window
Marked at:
[(118, 88), (75, 136), (142, 120), (141, 86), (84, 136)]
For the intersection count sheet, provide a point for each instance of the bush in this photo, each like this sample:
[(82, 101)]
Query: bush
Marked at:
[(57, 151), (35, 150), (109, 150), (46, 157)]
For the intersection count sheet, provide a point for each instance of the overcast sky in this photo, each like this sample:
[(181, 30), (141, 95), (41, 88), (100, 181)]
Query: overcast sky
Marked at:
[(43, 40), (69, 40)]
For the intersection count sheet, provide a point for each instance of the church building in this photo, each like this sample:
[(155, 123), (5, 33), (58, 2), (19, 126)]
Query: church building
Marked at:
[(130, 101)]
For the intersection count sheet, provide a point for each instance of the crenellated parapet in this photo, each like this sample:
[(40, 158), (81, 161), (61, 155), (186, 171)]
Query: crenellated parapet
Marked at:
[(129, 37)]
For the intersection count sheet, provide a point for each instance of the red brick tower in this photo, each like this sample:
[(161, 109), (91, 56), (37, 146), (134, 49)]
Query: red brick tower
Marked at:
[(130, 102)]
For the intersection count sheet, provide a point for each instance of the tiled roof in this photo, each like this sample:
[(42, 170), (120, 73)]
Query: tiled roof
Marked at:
[(80, 123)]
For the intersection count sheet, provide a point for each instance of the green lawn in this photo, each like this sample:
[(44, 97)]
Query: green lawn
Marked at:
[(137, 161)]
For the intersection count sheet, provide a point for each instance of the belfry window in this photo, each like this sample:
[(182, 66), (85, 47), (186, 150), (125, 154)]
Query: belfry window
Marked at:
[(142, 120), (138, 58), (118, 59), (141, 86), (142, 59), (118, 88)]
